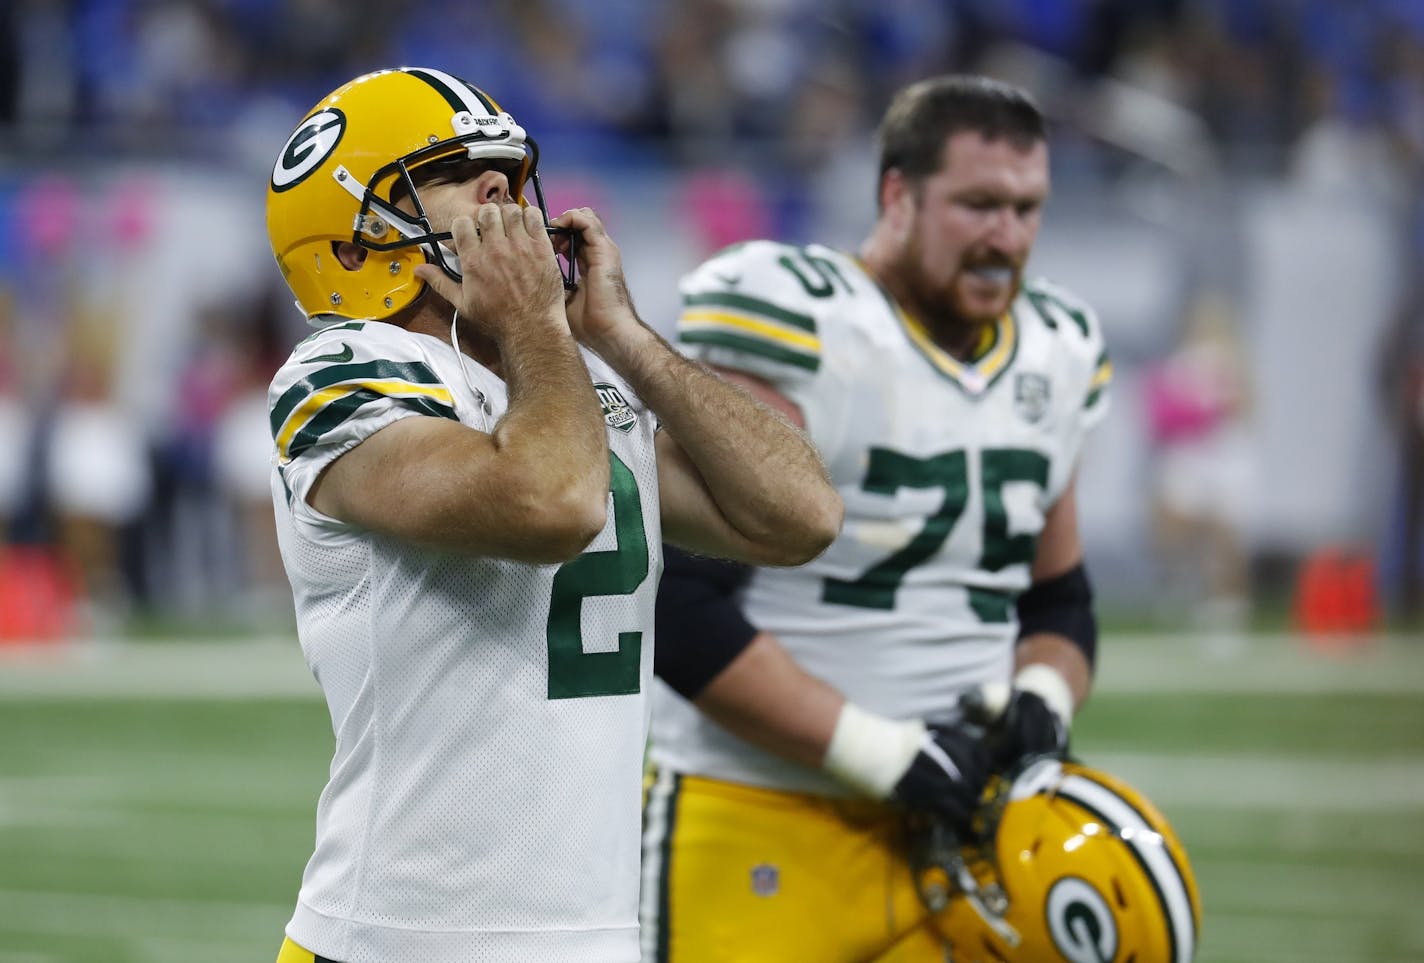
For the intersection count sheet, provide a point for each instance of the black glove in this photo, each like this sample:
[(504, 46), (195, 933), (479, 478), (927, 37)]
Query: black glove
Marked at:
[(1027, 727), (947, 776)]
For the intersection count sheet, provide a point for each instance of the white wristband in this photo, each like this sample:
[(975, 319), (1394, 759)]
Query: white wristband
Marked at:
[(870, 752), (1048, 684)]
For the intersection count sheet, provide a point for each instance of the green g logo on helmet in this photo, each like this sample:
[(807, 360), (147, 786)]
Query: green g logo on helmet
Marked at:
[(344, 176), (309, 145)]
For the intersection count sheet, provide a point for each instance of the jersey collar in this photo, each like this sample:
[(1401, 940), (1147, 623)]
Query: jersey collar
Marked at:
[(974, 377)]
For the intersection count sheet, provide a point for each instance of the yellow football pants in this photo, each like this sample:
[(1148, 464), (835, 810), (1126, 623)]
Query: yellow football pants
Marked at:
[(738, 874), (292, 953)]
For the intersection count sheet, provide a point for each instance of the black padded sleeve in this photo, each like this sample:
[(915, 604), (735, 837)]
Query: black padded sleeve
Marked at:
[(700, 628), (1062, 605)]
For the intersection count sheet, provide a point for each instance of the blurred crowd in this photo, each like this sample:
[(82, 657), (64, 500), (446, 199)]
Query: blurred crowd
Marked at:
[(617, 79), (1326, 90)]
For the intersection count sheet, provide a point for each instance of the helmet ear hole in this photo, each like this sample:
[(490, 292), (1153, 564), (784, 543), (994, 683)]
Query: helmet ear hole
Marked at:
[(348, 255)]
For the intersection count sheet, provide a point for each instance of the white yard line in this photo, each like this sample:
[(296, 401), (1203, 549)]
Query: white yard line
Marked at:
[(91, 914), (257, 668), (1258, 663), (1273, 782), (274, 667)]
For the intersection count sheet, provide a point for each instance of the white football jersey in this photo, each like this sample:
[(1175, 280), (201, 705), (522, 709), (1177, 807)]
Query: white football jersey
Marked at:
[(490, 715), (947, 470)]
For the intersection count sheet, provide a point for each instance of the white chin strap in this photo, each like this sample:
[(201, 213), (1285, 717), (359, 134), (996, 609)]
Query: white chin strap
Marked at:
[(464, 371)]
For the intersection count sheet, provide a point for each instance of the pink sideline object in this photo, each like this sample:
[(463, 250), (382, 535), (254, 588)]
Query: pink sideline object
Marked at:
[(48, 214), (726, 207), (1179, 407), (129, 217)]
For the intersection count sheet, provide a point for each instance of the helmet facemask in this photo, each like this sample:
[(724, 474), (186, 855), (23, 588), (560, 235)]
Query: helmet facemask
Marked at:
[(1063, 861), (380, 213), (345, 173)]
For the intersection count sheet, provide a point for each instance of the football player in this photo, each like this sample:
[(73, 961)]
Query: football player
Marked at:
[(474, 473), (950, 399)]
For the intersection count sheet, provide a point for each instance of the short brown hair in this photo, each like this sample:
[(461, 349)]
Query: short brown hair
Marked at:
[(924, 115)]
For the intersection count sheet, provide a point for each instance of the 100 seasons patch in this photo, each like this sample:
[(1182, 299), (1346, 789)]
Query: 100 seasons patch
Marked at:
[(617, 413)]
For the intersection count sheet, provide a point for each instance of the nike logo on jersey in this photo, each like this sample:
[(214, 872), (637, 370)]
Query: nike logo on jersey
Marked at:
[(731, 280), (339, 357)]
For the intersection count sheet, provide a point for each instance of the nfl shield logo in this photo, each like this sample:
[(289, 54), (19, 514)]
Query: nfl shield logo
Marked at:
[(766, 880), (1031, 396)]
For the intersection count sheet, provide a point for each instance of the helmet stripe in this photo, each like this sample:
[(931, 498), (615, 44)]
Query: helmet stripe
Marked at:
[(459, 94), (1157, 861)]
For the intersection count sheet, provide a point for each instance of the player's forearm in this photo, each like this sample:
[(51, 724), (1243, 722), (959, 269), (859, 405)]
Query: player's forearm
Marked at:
[(552, 440), (765, 477), (1062, 656), (764, 697)]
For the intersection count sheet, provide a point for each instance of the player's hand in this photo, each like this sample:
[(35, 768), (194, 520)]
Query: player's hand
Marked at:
[(947, 776), (600, 307), (509, 276), (1019, 723)]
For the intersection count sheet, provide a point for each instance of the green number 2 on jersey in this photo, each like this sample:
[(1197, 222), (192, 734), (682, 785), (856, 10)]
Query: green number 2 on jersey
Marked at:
[(574, 673), (890, 471)]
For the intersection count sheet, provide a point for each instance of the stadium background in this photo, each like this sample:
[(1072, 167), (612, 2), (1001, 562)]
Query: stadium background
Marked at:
[(1239, 190)]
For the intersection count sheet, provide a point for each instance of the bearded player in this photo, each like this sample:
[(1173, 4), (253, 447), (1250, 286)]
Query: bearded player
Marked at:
[(950, 400)]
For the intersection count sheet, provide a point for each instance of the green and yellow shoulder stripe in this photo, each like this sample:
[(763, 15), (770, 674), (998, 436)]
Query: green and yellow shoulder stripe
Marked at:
[(331, 380), (1078, 325), (755, 306)]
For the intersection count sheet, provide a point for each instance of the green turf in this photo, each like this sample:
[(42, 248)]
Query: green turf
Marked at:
[(175, 829), (1368, 723), (133, 830)]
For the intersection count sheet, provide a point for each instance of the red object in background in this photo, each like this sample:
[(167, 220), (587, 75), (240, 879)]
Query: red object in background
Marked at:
[(1336, 596), (36, 596)]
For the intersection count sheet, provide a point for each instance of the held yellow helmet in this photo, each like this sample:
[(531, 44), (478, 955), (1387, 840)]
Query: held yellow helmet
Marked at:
[(1073, 866), (340, 172)]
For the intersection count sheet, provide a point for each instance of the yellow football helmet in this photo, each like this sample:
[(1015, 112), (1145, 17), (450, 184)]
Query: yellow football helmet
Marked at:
[(335, 177), (1073, 865)]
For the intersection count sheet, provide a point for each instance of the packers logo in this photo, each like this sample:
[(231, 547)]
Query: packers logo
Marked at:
[(1081, 923), (617, 413), (309, 145)]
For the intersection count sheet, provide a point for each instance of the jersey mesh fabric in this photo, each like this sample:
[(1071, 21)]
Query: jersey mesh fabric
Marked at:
[(946, 469), (468, 815)]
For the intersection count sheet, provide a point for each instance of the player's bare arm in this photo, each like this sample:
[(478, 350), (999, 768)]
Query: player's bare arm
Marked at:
[(736, 479), (535, 488), (1053, 656), (1060, 551), (765, 697)]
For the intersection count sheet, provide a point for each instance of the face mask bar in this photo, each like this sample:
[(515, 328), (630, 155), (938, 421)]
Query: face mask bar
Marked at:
[(943, 873), (378, 213)]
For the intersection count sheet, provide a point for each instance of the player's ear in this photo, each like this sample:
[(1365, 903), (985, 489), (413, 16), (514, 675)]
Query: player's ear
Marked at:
[(897, 200), (351, 256)]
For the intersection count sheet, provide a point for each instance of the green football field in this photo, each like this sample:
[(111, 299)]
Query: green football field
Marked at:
[(156, 800)]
